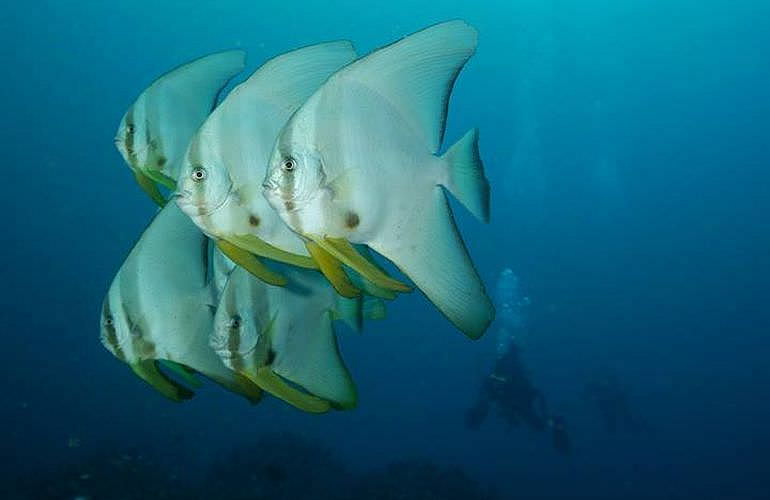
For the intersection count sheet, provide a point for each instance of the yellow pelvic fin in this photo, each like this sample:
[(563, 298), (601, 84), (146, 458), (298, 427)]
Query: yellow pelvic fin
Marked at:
[(367, 286), (248, 389), (260, 247), (148, 371), (251, 263), (332, 270), (240, 384), (186, 374), (275, 385), (344, 251), (150, 188), (161, 178)]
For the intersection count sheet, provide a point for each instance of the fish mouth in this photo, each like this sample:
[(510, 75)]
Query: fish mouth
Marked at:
[(184, 201), (219, 344)]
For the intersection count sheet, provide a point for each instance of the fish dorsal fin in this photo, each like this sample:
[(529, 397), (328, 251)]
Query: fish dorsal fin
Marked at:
[(177, 104), (416, 74), (194, 86), (309, 357), (286, 81)]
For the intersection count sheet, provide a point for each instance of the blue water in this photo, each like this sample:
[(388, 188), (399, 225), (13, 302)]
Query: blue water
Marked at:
[(627, 148)]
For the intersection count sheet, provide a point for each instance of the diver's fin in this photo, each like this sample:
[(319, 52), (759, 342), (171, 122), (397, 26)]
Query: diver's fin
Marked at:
[(364, 284), (186, 374), (161, 178), (416, 74), (150, 188), (272, 383), (311, 359), (332, 270), (344, 251), (373, 308), (349, 311), (257, 246), (286, 81), (431, 253), (239, 384), (249, 262), (467, 181), (148, 371)]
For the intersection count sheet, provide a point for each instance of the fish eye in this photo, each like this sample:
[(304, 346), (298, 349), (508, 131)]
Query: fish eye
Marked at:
[(130, 128), (289, 164), (109, 321), (198, 174), (234, 323)]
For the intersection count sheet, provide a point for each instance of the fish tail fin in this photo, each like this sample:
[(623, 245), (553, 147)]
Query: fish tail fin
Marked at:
[(348, 311), (466, 180), (436, 260)]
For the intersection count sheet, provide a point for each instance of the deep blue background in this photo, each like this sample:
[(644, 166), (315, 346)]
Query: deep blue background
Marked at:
[(627, 147)]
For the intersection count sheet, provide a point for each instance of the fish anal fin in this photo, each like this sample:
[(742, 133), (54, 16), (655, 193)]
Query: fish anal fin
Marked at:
[(430, 251), (310, 358)]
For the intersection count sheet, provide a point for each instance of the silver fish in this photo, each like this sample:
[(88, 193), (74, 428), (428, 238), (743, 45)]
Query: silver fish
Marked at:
[(155, 131), (358, 163)]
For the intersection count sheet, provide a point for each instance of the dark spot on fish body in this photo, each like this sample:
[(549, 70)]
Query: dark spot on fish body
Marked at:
[(145, 349), (161, 162), (254, 220), (289, 205), (270, 357), (352, 220)]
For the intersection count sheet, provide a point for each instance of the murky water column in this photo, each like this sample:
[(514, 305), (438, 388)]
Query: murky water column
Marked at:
[(512, 309)]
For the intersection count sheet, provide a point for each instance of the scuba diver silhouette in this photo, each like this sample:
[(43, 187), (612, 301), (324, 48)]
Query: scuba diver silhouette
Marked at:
[(508, 387)]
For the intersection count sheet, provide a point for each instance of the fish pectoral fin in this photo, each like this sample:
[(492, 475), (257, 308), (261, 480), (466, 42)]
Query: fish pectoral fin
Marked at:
[(275, 385), (185, 373), (344, 251), (332, 269), (150, 188), (260, 247), (147, 370), (161, 178), (251, 263)]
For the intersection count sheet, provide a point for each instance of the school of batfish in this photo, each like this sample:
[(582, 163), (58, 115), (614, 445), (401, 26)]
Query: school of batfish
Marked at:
[(272, 199)]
